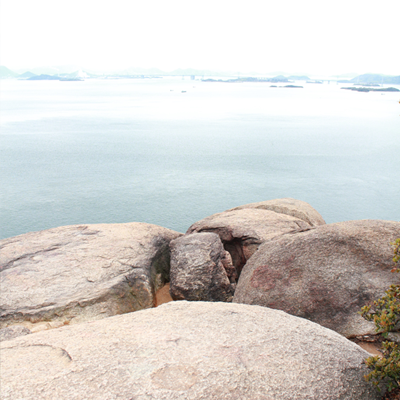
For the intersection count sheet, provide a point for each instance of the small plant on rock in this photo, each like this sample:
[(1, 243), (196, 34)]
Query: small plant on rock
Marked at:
[(385, 313), (385, 368)]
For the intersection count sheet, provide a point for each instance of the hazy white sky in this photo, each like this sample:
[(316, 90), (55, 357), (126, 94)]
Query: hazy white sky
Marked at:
[(310, 36)]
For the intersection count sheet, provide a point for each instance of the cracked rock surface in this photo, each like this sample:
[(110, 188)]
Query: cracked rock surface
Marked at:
[(187, 351), (325, 275), (83, 272)]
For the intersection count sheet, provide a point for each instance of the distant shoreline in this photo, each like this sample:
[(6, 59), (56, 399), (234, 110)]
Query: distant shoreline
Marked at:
[(369, 89)]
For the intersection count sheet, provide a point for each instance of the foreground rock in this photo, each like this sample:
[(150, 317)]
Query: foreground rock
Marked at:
[(296, 208), (325, 275), (201, 268), (83, 272), (185, 351), (242, 231)]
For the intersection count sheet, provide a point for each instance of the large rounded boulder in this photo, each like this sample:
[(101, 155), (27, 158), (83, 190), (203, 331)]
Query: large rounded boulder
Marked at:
[(83, 272), (187, 351), (325, 275), (243, 230), (296, 208)]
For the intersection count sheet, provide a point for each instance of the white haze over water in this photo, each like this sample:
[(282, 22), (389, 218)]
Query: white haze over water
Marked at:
[(172, 151), (310, 36)]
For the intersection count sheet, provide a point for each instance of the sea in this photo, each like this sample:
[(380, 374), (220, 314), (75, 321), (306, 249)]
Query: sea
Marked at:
[(171, 151)]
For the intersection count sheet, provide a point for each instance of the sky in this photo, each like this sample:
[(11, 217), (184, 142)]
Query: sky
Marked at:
[(297, 36)]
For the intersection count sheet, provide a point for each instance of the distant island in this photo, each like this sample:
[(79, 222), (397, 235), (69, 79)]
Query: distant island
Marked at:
[(44, 77), (369, 89), (26, 75), (287, 86), (374, 79), (276, 79), (6, 73), (70, 79), (369, 80), (299, 78), (65, 74), (367, 84)]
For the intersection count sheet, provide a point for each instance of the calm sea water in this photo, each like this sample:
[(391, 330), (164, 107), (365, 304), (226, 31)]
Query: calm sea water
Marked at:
[(172, 151)]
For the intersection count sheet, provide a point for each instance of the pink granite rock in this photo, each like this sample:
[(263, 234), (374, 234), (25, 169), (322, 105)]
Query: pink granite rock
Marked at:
[(326, 274), (186, 351), (242, 231), (296, 208), (83, 272)]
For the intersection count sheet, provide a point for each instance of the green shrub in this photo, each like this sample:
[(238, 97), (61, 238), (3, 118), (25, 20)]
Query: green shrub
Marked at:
[(385, 368), (385, 313)]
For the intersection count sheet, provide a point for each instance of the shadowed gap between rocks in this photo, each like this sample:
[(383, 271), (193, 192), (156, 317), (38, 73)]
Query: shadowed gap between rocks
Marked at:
[(160, 273), (161, 266), (235, 249)]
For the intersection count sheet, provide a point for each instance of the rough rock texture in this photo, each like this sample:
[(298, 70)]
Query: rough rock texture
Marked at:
[(12, 332), (242, 231), (200, 267), (296, 208), (83, 272), (186, 351), (325, 275)]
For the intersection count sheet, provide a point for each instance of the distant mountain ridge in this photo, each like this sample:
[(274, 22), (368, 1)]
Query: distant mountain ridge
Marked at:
[(6, 73), (376, 78), (299, 78), (26, 75), (52, 73), (44, 77)]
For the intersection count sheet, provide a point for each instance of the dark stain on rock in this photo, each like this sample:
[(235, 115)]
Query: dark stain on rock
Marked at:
[(289, 260), (265, 278)]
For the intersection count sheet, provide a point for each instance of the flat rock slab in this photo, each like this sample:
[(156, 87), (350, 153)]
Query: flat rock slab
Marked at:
[(242, 231), (325, 275), (296, 208), (83, 272), (186, 351), (200, 267)]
